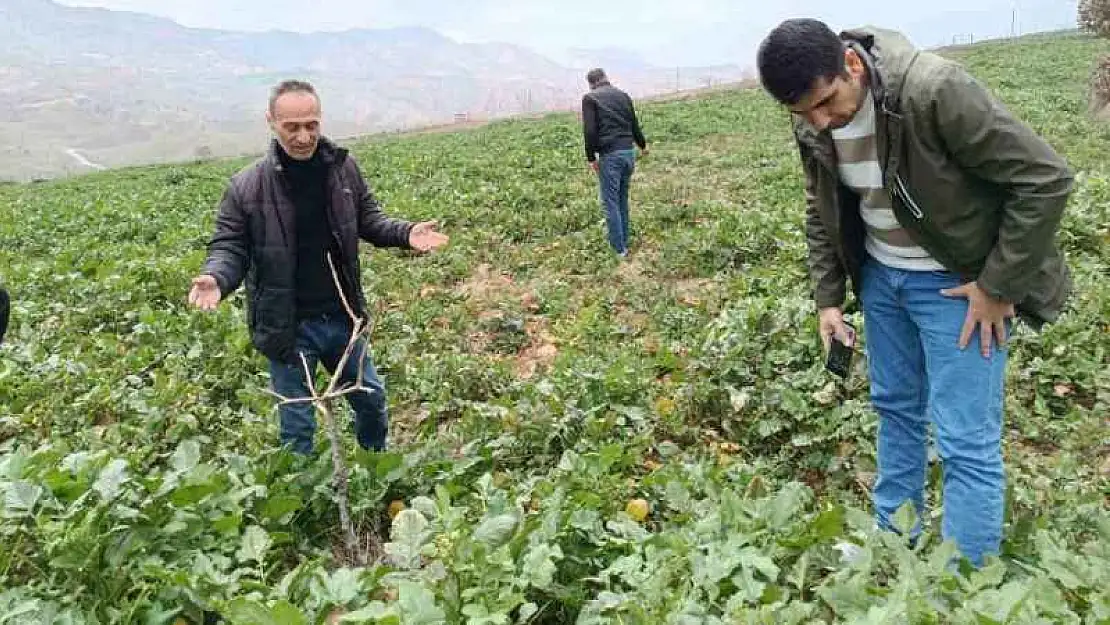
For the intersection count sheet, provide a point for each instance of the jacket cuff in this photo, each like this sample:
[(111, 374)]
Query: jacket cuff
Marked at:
[(221, 282), (829, 299), (406, 237), (987, 284)]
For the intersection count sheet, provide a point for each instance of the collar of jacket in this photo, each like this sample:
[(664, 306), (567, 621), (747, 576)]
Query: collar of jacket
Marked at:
[(885, 83), (330, 153)]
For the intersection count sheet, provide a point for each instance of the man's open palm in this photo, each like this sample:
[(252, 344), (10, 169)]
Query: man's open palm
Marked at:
[(205, 293), (424, 237)]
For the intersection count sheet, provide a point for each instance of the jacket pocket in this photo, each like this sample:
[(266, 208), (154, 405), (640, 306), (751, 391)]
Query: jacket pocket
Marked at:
[(272, 320)]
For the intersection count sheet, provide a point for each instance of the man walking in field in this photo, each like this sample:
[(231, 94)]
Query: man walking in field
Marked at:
[(941, 208), (611, 132), (279, 220)]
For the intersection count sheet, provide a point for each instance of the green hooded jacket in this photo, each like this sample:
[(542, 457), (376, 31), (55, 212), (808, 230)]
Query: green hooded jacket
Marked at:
[(971, 184)]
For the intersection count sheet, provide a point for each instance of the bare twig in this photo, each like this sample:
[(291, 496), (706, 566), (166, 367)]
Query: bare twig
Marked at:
[(337, 394), (339, 287), (323, 402), (308, 376)]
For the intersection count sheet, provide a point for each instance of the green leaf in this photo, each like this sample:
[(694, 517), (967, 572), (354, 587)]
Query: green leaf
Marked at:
[(496, 531), (20, 498), (751, 558), (418, 605), (285, 613), (340, 587), (539, 565), (749, 590), (526, 612), (375, 612), (905, 518), (425, 506), (186, 456), (279, 507), (111, 480), (609, 455), (246, 612), (383, 465), (256, 542), (407, 534), (786, 505), (193, 494)]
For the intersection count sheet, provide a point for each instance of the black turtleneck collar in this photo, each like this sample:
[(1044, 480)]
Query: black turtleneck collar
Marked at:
[(301, 170)]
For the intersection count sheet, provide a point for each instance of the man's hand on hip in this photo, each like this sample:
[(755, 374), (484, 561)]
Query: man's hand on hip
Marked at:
[(832, 324), (205, 293), (595, 167), (986, 313)]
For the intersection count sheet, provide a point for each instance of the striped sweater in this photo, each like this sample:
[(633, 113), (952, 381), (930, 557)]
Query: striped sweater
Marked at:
[(858, 163)]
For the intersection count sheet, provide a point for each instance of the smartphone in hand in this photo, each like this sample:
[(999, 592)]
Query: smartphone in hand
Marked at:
[(839, 360)]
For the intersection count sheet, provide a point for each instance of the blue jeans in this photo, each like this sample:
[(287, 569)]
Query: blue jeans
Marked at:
[(323, 340), (919, 374), (614, 175)]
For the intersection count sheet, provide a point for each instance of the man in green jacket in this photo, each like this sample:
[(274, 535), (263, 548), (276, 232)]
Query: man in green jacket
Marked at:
[(941, 208)]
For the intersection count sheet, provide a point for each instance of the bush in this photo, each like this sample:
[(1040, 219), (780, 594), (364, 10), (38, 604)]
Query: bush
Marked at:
[(1094, 17)]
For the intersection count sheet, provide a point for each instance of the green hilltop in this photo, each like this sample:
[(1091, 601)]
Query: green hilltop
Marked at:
[(536, 386)]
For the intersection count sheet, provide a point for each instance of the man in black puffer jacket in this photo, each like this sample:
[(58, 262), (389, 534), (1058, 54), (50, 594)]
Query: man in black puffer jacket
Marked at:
[(611, 132), (279, 220)]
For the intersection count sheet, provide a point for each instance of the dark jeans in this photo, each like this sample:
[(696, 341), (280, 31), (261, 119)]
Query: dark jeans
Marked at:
[(614, 175), (322, 340)]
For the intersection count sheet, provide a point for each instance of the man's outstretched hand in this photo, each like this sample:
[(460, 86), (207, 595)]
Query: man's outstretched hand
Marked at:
[(423, 237), (205, 293), (984, 312)]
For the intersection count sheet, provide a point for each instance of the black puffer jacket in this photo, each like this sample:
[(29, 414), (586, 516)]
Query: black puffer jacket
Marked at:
[(256, 241)]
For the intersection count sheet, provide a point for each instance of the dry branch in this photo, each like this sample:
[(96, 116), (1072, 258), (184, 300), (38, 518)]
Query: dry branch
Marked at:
[(323, 402)]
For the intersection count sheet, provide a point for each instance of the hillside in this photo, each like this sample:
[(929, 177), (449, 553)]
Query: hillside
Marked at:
[(536, 386), (125, 88)]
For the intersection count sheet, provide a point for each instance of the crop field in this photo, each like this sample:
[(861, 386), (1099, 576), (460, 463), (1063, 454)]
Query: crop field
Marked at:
[(537, 387)]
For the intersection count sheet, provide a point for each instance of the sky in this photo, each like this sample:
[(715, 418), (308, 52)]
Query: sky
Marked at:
[(663, 32)]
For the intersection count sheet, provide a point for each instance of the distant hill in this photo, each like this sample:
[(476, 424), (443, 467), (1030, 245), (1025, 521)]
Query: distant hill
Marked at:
[(83, 85)]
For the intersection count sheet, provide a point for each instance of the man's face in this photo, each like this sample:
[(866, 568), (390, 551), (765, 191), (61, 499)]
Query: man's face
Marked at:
[(832, 104), (295, 120)]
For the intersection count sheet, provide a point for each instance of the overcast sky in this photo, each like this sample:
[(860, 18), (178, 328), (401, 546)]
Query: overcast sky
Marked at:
[(665, 32)]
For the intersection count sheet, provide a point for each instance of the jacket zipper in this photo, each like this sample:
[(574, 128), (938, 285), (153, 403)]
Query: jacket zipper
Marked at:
[(907, 199)]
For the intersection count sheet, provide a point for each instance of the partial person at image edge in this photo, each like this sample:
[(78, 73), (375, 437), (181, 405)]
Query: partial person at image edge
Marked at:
[(5, 313)]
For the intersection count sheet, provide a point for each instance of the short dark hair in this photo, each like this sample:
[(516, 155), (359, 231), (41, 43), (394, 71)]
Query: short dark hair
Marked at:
[(291, 86), (795, 55), (596, 76)]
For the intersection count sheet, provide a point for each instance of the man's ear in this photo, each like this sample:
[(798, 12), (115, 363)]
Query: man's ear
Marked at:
[(853, 64)]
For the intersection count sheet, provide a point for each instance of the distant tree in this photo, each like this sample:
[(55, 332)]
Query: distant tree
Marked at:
[(1094, 17), (203, 152)]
